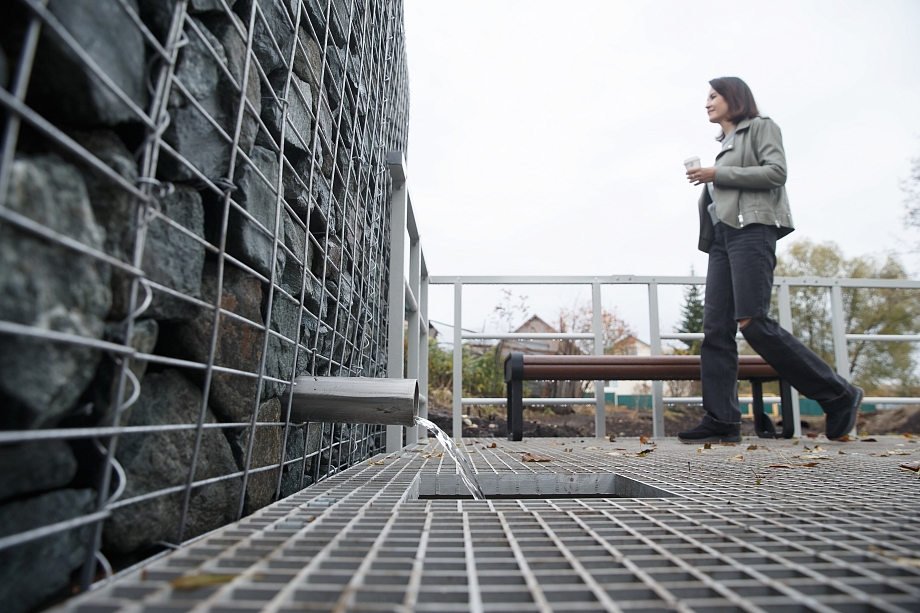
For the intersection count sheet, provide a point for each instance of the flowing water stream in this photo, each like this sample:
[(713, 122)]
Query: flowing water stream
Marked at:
[(451, 449)]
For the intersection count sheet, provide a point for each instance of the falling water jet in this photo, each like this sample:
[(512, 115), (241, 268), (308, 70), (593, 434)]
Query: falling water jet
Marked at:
[(466, 468)]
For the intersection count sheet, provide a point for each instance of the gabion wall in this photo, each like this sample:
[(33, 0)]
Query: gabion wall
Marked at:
[(194, 207)]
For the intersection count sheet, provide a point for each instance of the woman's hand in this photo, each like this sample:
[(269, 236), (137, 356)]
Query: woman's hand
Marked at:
[(698, 176)]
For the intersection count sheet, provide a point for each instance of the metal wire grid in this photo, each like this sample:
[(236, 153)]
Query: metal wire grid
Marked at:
[(356, 337), (361, 542)]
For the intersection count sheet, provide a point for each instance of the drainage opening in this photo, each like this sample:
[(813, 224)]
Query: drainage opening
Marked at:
[(433, 486)]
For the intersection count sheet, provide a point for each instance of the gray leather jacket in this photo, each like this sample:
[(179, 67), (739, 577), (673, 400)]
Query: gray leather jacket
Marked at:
[(750, 182)]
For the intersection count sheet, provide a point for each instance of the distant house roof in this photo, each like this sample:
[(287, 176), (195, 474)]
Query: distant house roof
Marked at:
[(535, 324), (541, 346)]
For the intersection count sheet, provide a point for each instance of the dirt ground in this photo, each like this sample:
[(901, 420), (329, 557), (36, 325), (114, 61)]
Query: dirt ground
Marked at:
[(622, 421)]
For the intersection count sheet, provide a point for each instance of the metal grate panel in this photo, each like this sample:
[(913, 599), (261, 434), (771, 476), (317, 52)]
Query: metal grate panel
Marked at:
[(839, 536)]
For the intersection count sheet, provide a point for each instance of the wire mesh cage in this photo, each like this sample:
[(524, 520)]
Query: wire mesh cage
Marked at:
[(194, 207)]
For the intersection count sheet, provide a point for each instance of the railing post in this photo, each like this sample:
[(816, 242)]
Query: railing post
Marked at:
[(457, 431), (655, 342), (841, 357), (397, 294), (423, 352), (785, 320), (600, 414), (413, 353)]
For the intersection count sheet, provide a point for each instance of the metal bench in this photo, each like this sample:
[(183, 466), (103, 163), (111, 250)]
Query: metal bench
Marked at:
[(520, 368)]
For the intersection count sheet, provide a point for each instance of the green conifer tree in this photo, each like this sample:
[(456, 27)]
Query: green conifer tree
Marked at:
[(692, 315)]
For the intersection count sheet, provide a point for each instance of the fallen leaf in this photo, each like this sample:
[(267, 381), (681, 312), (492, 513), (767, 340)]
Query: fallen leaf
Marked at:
[(534, 457), (845, 439), (808, 464), (879, 455), (841, 452), (728, 444), (906, 435), (643, 439), (780, 466), (912, 467), (644, 452), (757, 482), (493, 446), (915, 562), (868, 440), (569, 449), (592, 448), (897, 452), (811, 435), (707, 446), (612, 438), (373, 463), (737, 458), (196, 581), (753, 448), (795, 443)]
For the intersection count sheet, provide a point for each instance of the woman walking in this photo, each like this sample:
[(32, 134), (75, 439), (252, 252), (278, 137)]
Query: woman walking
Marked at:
[(743, 211)]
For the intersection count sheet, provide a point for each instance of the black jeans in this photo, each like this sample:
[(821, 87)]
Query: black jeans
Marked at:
[(738, 286)]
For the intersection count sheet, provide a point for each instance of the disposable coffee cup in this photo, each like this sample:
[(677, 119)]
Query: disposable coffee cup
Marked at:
[(693, 162)]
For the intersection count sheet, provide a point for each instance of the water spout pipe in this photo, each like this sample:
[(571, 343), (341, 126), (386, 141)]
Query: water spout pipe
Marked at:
[(356, 400)]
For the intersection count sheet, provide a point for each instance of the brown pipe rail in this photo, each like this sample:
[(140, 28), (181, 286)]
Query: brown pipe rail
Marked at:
[(520, 368)]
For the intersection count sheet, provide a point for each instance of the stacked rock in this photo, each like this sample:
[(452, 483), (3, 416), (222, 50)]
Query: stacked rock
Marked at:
[(194, 213)]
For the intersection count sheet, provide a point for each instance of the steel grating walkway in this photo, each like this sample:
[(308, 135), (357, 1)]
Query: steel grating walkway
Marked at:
[(679, 529)]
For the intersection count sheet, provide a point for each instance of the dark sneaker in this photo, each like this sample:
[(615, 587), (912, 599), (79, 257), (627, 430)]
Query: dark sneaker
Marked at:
[(841, 421), (704, 434)]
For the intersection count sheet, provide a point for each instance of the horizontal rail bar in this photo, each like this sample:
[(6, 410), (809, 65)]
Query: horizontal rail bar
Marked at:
[(527, 336), (698, 336), (664, 280), (528, 401), (885, 338), (776, 400)]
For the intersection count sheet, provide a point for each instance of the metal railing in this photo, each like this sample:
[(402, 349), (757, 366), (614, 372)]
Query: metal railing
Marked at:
[(408, 301), (355, 105), (783, 284)]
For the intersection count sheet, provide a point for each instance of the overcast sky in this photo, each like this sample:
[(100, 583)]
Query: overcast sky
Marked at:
[(548, 137)]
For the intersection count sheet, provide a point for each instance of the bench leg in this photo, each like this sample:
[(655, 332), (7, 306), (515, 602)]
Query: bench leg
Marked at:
[(785, 396), (763, 425), (515, 410)]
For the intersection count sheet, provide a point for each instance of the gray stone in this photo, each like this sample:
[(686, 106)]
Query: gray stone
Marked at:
[(114, 208), (295, 238), (174, 259), (279, 361), (296, 448), (245, 239), (31, 573), (52, 288), (308, 61), (299, 116), (280, 28), (158, 14), (316, 10), (63, 86), (189, 131), (297, 194), (35, 467), (105, 388), (266, 451), (335, 72), (239, 345), (158, 460)]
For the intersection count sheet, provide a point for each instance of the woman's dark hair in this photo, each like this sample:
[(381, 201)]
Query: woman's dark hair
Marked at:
[(738, 95)]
